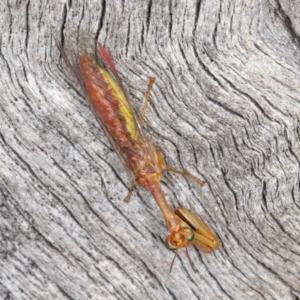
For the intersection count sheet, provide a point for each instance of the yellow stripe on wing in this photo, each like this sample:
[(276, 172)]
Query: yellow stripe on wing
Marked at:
[(125, 109)]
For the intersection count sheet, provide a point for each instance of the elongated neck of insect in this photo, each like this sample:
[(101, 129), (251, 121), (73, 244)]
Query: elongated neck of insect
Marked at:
[(172, 220)]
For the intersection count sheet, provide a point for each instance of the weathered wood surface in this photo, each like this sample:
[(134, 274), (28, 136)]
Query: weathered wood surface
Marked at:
[(226, 106)]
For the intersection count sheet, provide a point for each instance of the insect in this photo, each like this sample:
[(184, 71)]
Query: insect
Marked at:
[(101, 85)]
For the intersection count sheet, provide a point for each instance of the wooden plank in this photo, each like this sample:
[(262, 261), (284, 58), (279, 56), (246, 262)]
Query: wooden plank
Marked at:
[(225, 106)]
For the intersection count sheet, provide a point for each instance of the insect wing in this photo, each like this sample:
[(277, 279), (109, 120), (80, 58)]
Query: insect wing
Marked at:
[(108, 60), (113, 70), (78, 45)]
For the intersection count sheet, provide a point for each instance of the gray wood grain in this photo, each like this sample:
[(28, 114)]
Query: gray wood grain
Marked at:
[(225, 107)]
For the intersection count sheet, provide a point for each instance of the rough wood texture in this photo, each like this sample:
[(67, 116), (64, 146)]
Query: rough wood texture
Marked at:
[(226, 107)]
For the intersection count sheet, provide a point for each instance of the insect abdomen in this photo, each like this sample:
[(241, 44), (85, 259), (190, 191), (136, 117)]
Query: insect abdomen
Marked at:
[(108, 103)]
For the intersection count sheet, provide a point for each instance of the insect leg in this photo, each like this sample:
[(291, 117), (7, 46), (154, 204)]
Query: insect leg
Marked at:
[(127, 198), (204, 243), (169, 169), (146, 100), (203, 236)]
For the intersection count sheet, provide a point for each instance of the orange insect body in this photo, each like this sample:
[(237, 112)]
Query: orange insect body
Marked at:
[(101, 84), (139, 153), (104, 102)]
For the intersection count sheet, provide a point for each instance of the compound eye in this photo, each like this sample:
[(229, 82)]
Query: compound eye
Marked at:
[(170, 246), (189, 233)]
